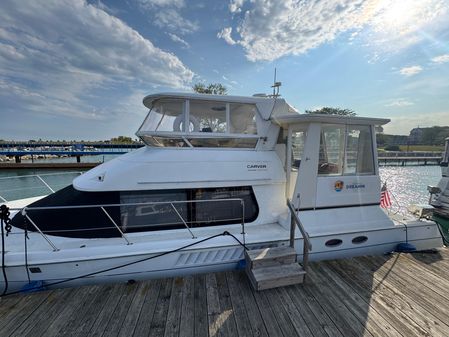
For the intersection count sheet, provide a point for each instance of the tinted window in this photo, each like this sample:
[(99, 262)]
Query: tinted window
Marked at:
[(174, 210), (152, 215)]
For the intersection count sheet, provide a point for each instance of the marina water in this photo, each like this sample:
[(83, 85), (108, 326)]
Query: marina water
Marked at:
[(407, 185)]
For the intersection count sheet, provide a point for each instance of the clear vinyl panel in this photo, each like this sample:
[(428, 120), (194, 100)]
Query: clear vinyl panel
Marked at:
[(208, 116), (332, 143), (243, 118), (298, 141), (359, 157), (165, 116), (346, 150)]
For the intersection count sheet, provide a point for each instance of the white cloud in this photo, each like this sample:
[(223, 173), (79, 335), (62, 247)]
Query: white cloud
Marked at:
[(225, 34), (235, 6), (400, 102), (401, 125), (65, 50), (441, 58), (171, 19), (410, 71), (176, 38), (161, 3), (270, 29), (167, 14)]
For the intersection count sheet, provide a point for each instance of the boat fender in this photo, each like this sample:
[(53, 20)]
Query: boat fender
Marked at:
[(180, 120), (241, 264), (33, 286), (405, 247)]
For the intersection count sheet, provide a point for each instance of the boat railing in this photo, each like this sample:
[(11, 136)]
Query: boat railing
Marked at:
[(307, 245), (24, 187), (173, 205)]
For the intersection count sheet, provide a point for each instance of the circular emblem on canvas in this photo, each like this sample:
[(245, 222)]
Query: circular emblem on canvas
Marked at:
[(339, 185)]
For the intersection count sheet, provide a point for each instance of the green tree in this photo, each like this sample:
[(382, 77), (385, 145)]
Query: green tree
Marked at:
[(332, 111), (212, 88), (121, 139)]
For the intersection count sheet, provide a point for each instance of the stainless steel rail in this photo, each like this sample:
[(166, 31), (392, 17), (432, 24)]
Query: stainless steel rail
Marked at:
[(307, 246), (26, 210), (37, 176)]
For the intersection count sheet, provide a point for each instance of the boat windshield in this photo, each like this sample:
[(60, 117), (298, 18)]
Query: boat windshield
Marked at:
[(200, 123)]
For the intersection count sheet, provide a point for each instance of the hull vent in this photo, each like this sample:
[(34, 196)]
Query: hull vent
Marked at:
[(210, 257)]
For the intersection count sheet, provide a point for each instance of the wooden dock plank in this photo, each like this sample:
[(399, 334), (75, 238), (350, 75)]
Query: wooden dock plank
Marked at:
[(187, 324), (255, 319), (157, 327), (22, 310), (68, 312), (374, 293), (199, 295), (130, 321), (280, 313), (215, 316), (84, 318), (375, 323), (340, 314), (267, 312), (421, 275), (143, 323), (427, 304), (49, 309), (399, 296), (174, 309), (240, 314), (226, 305), (302, 329), (316, 313), (106, 312), (121, 310)]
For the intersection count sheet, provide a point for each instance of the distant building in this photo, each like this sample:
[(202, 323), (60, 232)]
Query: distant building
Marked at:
[(415, 136)]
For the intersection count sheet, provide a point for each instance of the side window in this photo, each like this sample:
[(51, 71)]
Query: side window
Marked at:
[(166, 115), (359, 150), (446, 152), (346, 150), (243, 118), (331, 150), (222, 212), (298, 141), (151, 216), (208, 116)]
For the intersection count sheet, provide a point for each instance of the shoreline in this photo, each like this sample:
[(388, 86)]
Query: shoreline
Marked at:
[(14, 166)]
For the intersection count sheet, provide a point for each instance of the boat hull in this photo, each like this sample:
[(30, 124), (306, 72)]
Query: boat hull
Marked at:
[(443, 223), (226, 254)]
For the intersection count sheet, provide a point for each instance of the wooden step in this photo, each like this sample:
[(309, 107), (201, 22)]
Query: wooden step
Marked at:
[(276, 276), (259, 258)]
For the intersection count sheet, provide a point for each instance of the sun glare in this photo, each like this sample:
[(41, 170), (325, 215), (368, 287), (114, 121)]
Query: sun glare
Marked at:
[(399, 16)]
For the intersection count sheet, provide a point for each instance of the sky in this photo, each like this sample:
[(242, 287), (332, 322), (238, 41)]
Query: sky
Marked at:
[(78, 70)]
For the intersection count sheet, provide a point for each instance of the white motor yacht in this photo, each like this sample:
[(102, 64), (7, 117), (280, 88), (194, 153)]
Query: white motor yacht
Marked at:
[(217, 174)]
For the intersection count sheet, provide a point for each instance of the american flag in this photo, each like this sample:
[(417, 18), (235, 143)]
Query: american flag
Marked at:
[(385, 200)]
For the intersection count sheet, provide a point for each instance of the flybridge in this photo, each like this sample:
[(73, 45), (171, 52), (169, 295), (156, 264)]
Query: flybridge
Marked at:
[(195, 120)]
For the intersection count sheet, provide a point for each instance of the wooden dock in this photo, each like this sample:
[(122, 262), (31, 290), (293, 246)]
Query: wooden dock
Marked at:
[(397, 295)]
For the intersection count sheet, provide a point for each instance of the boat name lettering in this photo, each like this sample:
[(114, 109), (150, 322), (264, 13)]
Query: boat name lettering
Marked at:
[(355, 186), (256, 166)]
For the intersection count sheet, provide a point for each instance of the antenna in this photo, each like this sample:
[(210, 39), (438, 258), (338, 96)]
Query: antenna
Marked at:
[(276, 85)]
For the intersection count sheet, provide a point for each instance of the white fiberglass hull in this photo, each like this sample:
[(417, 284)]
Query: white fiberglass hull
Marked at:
[(78, 257)]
